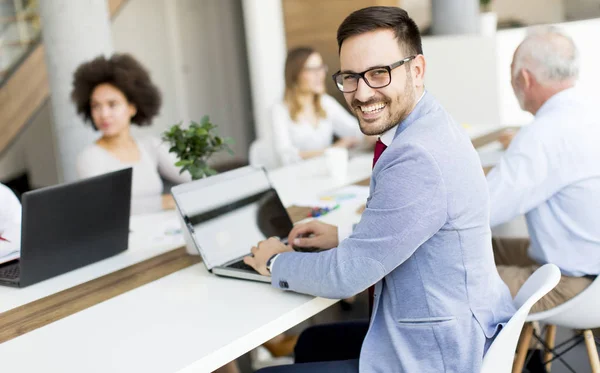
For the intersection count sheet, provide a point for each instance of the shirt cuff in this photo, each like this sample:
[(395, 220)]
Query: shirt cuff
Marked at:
[(344, 231), (273, 262)]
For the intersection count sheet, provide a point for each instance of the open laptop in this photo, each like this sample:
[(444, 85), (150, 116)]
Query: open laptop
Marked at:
[(226, 214), (68, 226)]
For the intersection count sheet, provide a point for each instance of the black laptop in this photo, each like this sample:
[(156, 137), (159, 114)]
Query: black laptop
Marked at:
[(68, 226)]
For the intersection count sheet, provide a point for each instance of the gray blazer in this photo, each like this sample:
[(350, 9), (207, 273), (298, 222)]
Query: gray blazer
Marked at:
[(424, 241)]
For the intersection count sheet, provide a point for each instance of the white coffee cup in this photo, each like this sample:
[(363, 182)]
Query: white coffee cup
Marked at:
[(337, 162)]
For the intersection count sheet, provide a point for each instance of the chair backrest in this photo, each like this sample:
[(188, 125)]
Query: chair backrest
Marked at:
[(261, 154), (500, 356)]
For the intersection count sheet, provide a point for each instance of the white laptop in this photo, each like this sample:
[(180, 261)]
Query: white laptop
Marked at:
[(226, 214)]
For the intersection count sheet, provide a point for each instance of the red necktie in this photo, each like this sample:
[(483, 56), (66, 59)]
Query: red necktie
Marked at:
[(379, 148)]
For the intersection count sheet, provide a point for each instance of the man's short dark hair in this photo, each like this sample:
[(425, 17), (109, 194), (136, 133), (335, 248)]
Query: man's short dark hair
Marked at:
[(383, 17)]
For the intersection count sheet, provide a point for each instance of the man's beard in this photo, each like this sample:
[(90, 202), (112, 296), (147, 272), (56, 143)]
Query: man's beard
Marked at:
[(404, 103)]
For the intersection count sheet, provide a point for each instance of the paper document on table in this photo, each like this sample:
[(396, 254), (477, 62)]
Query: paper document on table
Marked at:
[(8, 253), (346, 195)]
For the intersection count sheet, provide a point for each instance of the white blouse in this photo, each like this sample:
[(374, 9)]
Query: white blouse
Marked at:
[(147, 187), (10, 220), (290, 138)]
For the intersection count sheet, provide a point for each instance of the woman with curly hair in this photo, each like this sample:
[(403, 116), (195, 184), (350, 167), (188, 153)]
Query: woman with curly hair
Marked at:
[(113, 94)]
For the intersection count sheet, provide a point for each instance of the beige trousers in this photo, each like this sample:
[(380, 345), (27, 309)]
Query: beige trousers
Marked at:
[(515, 267)]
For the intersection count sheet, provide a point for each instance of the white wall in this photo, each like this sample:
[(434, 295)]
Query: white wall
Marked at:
[(470, 75), (195, 53), (461, 70), (214, 68), (140, 30), (265, 38), (585, 35)]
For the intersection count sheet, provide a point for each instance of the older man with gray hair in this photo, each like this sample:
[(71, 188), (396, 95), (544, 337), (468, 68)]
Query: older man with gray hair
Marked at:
[(550, 171)]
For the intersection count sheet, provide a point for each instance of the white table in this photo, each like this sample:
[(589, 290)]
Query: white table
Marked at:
[(190, 321)]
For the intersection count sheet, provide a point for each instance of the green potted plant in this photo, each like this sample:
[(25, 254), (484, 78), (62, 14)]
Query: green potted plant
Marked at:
[(195, 145), (488, 20)]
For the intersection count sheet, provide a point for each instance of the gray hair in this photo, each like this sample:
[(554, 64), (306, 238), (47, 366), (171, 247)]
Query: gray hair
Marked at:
[(549, 54)]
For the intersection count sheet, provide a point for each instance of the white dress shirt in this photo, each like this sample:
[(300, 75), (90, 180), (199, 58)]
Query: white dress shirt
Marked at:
[(10, 219), (147, 186), (290, 137), (551, 173)]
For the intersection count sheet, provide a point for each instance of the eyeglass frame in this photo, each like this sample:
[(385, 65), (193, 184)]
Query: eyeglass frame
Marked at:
[(389, 69)]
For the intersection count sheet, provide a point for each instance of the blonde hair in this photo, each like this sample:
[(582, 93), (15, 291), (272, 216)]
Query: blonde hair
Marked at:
[(294, 64)]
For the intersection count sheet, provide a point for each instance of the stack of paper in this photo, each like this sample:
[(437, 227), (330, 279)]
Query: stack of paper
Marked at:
[(8, 254)]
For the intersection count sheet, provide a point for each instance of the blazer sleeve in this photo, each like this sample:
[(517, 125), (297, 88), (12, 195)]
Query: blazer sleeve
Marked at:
[(407, 207)]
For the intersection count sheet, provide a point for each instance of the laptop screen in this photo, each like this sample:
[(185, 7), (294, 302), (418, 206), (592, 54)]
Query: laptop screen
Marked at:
[(228, 232), (231, 213)]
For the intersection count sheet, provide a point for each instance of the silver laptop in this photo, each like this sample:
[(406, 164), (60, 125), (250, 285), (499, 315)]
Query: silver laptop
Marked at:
[(226, 214)]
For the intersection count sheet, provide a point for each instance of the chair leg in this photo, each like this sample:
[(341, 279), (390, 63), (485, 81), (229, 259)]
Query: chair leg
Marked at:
[(523, 348), (550, 337), (590, 344)]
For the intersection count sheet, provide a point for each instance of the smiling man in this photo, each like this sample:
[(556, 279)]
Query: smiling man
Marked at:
[(424, 239)]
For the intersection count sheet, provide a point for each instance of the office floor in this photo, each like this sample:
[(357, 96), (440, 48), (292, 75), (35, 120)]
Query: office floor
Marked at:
[(576, 358)]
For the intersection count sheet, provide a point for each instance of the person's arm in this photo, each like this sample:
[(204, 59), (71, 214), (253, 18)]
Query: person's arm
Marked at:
[(10, 216), (282, 142), (166, 162), (344, 123), (408, 206), (522, 180), (308, 154), (346, 126)]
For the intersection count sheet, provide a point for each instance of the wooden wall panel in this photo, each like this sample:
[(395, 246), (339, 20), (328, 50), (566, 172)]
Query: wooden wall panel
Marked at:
[(314, 23)]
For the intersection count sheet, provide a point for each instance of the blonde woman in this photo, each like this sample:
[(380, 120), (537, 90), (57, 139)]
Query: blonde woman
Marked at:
[(305, 122)]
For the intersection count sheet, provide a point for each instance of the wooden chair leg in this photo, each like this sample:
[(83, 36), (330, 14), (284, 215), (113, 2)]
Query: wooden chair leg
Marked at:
[(590, 344), (550, 337), (522, 348)]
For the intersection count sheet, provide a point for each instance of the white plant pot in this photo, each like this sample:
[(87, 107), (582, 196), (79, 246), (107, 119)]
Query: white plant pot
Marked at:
[(488, 23)]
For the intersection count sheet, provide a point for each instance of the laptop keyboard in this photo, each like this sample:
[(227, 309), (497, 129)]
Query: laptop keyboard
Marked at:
[(241, 265), (10, 271)]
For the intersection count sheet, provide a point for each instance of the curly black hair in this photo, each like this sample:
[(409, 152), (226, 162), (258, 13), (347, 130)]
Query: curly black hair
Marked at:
[(126, 74)]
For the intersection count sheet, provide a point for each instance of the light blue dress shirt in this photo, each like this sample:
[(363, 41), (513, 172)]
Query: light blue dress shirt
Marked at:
[(551, 173)]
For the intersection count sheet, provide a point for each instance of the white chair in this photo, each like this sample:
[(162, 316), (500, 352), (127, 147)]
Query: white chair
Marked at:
[(261, 154), (500, 355), (582, 313)]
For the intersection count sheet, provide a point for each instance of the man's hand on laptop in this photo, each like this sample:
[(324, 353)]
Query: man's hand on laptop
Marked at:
[(314, 234), (263, 252)]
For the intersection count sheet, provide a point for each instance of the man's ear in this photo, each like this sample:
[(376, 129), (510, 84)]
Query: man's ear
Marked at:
[(528, 78), (418, 66)]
